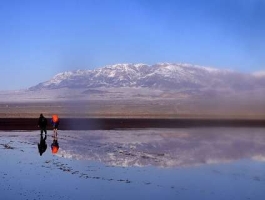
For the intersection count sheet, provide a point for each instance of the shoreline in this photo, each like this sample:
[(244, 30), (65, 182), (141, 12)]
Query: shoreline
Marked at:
[(127, 123)]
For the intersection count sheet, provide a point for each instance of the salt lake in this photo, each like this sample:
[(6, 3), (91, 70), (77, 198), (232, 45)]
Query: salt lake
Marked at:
[(195, 163)]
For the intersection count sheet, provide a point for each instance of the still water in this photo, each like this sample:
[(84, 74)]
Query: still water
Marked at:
[(204, 163)]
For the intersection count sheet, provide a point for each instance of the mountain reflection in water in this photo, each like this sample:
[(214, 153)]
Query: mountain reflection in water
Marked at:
[(164, 147)]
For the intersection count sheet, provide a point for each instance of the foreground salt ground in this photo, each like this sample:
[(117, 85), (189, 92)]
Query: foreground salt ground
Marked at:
[(206, 163)]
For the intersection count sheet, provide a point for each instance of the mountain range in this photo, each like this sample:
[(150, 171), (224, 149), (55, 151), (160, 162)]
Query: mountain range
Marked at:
[(140, 90), (165, 76)]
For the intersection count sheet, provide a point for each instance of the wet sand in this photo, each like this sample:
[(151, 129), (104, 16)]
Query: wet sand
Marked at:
[(126, 123)]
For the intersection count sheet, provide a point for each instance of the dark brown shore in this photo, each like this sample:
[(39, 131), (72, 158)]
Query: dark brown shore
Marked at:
[(126, 123)]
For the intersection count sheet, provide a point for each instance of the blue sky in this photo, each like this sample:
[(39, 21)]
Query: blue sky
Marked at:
[(41, 38)]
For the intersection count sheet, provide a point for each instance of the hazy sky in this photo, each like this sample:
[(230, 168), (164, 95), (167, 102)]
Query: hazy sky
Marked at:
[(41, 38)]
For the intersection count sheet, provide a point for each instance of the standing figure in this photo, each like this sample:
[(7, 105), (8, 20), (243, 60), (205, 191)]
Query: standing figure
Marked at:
[(55, 124), (42, 123)]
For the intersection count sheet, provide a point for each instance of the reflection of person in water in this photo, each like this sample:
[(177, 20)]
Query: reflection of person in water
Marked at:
[(55, 144), (42, 146), (42, 123)]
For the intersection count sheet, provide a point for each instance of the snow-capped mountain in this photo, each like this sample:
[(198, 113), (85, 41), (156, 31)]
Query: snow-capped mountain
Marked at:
[(159, 76)]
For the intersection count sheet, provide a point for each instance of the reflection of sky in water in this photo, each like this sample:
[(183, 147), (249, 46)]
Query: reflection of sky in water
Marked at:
[(131, 164)]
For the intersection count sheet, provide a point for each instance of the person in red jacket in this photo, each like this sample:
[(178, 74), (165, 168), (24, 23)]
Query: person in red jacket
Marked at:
[(55, 123)]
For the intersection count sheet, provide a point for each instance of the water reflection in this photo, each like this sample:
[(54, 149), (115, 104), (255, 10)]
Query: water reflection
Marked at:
[(174, 152), (166, 148), (42, 145), (55, 144)]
